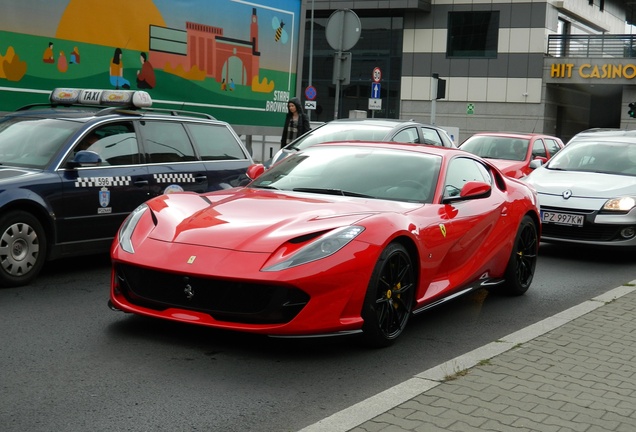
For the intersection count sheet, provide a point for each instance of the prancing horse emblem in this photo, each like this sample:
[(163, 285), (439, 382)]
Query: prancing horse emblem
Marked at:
[(188, 291)]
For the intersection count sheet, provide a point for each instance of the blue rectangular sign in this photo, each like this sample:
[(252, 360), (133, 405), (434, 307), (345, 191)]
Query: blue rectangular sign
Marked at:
[(375, 91)]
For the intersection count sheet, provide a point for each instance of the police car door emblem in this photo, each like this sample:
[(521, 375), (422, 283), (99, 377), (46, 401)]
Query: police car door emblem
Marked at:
[(104, 200), (104, 197)]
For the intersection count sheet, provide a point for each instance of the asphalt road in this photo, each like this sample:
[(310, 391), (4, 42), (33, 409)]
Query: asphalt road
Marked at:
[(68, 363)]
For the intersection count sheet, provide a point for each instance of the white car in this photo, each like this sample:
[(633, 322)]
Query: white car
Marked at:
[(587, 191), (368, 129)]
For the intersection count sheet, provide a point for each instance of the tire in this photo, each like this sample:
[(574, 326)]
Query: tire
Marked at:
[(523, 259), (389, 299), (22, 248)]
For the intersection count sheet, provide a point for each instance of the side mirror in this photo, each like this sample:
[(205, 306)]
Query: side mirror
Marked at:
[(470, 190), (255, 170), (85, 158), (535, 163)]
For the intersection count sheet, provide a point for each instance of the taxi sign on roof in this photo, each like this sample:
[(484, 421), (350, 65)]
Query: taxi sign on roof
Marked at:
[(120, 98)]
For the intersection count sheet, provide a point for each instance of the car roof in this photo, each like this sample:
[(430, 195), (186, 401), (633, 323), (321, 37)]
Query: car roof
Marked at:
[(72, 104), (380, 122), (599, 133), (438, 150), (513, 134)]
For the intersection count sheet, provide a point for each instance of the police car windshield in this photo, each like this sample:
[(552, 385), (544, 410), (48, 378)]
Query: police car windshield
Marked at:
[(32, 142)]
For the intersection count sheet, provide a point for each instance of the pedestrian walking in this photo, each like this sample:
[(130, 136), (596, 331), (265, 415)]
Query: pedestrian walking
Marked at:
[(296, 122)]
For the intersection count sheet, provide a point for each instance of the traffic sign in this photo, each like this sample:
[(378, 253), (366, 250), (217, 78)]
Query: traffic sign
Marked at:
[(311, 93), (377, 74), (310, 105), (375, 90), (375, 104)]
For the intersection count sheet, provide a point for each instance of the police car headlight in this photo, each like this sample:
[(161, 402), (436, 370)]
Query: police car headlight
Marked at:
[(623, 204), (128, 227), (322, 247)]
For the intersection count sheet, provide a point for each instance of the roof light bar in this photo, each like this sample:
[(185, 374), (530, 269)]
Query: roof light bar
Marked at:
[(119, 98)]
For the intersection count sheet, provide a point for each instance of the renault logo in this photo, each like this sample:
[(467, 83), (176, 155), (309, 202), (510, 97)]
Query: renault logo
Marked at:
[(567, 194)]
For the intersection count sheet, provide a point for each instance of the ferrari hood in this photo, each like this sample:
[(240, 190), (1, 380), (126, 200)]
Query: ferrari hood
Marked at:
[(253, 220), (582, 185)]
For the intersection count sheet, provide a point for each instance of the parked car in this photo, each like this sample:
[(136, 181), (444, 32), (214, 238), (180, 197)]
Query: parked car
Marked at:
[(587, 192), (71, 171), (338, 238), (516, 154), (368, 129), (597, 132)]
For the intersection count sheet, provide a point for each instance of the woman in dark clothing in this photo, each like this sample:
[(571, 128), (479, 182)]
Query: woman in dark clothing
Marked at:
[(296, 122)]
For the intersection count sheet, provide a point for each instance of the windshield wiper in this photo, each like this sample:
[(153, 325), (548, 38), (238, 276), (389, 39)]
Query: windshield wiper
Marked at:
[(265, 187), (331, 191)]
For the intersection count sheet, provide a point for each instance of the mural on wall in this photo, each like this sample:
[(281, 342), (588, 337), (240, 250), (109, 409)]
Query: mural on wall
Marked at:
[(234, 59)]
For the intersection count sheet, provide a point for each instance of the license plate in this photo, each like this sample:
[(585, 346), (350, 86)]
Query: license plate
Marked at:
[(562, 218)]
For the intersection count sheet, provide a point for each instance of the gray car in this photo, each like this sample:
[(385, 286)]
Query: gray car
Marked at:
[(587, 191), (369, 129)]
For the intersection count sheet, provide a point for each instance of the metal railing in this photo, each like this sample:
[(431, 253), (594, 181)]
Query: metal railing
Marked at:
[(592, 46)]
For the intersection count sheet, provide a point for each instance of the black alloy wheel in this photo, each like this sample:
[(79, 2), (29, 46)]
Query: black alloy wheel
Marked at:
[(390, 296), (523, 258)]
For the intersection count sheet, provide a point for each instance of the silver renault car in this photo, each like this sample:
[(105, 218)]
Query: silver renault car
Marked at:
[(587, 191)]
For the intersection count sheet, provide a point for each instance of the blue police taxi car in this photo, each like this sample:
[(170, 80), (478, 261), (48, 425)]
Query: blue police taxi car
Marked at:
[(73, 169)]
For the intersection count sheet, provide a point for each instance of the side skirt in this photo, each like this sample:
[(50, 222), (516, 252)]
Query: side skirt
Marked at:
[(477, 285)]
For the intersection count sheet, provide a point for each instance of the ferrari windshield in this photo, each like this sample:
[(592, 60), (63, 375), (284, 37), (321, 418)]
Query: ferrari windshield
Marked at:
[(497, 147), (341, 132), (616, 156), (357, 171), (32, 142)]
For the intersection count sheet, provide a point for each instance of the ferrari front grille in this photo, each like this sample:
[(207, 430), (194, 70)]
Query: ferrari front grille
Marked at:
[(224, 300)]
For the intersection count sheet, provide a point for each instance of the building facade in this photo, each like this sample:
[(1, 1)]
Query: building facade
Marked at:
[(555, 66)]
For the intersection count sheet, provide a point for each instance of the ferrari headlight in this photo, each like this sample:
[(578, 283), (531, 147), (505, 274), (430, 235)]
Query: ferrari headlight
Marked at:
[(128, 227), (623, 204), (322, 247)]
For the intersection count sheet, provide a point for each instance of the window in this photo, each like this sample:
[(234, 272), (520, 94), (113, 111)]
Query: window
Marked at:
[(115, 143), (462, 171), (552, 146), (215, 142), (538, 149), (431, 137), (473, 34), (408, 135), (166, 142)]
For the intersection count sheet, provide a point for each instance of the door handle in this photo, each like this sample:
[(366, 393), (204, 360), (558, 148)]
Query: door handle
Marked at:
[(140, 183)]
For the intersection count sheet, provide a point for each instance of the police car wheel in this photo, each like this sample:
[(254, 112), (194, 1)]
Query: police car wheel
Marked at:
[(22, 248)]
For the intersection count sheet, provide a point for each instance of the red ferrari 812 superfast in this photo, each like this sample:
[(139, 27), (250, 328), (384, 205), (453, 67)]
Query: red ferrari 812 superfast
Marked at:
[(339, 238)]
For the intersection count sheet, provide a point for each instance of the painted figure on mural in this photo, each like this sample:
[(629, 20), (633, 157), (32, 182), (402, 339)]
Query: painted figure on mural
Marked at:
[(47, 57), (62, 62), (146, 76), (75, 57), (116, 71)]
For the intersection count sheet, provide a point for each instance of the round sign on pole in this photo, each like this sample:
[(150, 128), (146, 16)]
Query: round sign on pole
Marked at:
[(377, 74), (310, 93), (343, 29)]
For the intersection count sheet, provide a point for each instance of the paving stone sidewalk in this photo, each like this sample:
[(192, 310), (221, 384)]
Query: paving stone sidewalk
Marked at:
[(575, 371)]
